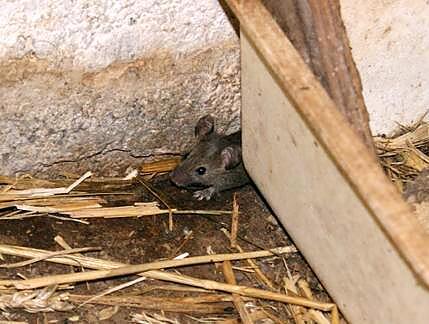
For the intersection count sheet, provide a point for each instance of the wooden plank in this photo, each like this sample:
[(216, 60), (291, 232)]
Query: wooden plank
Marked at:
[(331, 226), (328, 190), (351, 157), (316, 30)]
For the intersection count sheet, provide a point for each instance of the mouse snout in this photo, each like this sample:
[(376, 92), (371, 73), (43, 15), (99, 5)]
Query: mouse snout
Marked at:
[(179, 177)]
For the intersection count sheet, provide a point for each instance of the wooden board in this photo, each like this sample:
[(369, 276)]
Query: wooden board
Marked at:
[(316, 30), (329, 192)]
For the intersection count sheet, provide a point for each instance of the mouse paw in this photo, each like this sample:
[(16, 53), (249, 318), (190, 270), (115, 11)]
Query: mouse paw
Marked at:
[(206, 194)]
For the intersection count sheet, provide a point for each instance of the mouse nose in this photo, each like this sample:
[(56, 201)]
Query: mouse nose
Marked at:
[(178, 177)]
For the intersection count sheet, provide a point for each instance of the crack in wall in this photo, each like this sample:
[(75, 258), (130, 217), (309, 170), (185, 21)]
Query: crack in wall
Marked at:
[(148, 107), (103, 152)]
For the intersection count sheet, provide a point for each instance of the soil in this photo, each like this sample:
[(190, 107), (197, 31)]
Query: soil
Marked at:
[(147, 239)]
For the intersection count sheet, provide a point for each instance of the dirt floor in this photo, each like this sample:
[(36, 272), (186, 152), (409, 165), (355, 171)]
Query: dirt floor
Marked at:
[(135, 241)]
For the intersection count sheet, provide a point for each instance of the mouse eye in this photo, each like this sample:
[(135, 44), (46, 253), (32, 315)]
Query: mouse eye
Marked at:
[(201, 170)]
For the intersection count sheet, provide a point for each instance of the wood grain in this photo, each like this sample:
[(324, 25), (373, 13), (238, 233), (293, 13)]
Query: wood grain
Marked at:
[(316, 30), (327, 188), (346, 150)]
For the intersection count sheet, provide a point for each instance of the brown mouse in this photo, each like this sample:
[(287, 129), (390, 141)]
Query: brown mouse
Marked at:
[(214, 164)]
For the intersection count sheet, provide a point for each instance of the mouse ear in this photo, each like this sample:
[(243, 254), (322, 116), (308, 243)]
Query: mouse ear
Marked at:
[(204, 127), (231, 156)]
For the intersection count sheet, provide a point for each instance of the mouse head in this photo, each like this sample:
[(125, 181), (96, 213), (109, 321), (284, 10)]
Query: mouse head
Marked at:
[(209, 160)]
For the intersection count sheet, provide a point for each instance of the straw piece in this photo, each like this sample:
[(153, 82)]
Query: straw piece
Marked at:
[(50, 255), (168, 304), (162, 166), (234, 221), (262, 278), (403, 157), (133, 269), (238, 302), (57, 200), (116, 212), (156, 195), (25, 183), (258, 273), (94, 183), (241, 290), (43, 300), (62, 208), (316, 315), (417, 137), (113, 289), (79, 181), (42, 192), (290, 287), (171, 277), (144, 318), (138, 210)]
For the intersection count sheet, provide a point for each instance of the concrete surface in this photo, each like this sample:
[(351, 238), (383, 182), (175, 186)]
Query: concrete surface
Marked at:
[(390, 45), (101, 85)]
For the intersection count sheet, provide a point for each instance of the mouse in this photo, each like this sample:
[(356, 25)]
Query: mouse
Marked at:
[(213, 165)]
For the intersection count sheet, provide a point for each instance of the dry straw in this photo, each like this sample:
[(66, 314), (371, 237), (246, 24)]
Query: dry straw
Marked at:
[(404, 155)]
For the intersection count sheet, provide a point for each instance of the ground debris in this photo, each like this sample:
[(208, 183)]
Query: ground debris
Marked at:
[(190, 291), (405, 159)]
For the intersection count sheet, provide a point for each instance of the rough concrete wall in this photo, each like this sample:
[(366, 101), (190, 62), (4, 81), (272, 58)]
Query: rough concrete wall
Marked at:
[(101, 85), (390, 44)]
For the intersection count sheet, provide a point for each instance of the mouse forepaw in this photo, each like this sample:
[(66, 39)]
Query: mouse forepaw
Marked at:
[(206, 194)]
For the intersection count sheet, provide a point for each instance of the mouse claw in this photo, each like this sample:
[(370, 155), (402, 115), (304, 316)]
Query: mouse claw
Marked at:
[(206, 194)]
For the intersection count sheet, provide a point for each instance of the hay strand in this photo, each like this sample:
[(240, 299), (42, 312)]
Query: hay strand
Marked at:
[(133, 269), (238, 302)]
